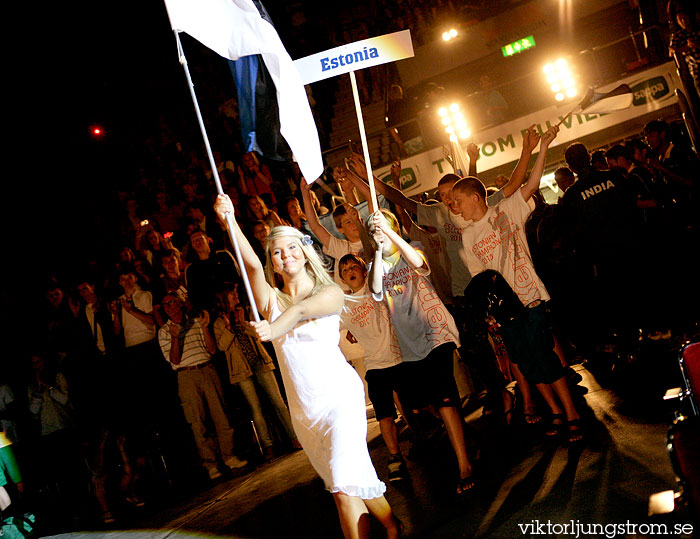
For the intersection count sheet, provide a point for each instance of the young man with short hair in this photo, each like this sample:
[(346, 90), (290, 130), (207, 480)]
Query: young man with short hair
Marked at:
[(496, 240)]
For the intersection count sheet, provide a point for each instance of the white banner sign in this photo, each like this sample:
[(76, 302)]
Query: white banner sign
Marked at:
[(652, 90), (353, 56)]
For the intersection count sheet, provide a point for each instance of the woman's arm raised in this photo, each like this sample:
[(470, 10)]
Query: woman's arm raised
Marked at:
[(262, 291)]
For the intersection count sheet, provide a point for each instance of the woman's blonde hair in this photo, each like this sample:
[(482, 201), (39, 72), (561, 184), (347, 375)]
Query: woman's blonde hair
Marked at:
[(315, 268)]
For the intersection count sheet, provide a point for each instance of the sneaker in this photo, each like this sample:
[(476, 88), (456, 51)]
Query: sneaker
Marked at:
[(235, 462), (213, 472), (397, 469), (108, 518)]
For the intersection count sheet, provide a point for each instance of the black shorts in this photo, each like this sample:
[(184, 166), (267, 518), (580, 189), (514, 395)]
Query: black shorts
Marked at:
[(530, 346), (381, 384), (431, 380)]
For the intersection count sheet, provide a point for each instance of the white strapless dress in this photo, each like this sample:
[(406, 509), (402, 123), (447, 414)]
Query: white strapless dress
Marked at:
[(327, 404)]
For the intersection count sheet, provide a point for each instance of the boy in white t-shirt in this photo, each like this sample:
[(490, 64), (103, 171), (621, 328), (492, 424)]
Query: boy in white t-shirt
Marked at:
[(346, 220), (496, 240), (370, 323), (425, 329)]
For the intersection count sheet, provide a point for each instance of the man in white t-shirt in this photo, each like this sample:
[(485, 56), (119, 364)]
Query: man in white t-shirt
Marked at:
[(496, 240), (137, 323)]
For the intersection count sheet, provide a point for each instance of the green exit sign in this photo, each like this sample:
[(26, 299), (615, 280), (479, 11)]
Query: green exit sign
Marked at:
[(518, 46)]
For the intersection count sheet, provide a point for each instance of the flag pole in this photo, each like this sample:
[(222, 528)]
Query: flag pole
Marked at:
[(564, 118), (373, 206), (217, 180)]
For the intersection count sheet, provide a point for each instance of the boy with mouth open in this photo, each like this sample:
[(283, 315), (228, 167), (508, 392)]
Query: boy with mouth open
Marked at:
[(370, 324)]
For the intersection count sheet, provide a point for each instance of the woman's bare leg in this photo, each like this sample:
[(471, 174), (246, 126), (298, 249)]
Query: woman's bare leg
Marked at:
[(379, 508), (353, 514)]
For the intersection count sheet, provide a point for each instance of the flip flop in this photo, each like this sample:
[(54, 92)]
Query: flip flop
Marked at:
[(575, 428), (556, 425)]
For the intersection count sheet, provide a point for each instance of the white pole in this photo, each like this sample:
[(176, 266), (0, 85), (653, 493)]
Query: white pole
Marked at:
[(373, 206), (217, 181)]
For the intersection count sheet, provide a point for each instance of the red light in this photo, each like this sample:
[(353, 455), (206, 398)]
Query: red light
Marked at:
[(96, 131)]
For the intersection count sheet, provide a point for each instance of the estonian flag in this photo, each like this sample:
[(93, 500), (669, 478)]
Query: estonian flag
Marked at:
[(235, 29)]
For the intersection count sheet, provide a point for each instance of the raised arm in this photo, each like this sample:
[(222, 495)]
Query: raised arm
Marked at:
[(315, 225), (340, 175), (533, 182), (328, 300), (410, 255), (256, 273), (473, 153), (530, 140), (357, 177)]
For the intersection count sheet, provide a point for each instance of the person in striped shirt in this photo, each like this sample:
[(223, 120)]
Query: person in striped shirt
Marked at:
[(188, 345)]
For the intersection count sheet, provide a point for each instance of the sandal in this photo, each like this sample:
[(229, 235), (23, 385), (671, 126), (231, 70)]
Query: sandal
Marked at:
[(556, 425), (465, 483), (531, 418), (575, 428)]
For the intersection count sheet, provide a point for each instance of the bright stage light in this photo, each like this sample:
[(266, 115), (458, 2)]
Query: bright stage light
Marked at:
[(454, 121), (561, 79)]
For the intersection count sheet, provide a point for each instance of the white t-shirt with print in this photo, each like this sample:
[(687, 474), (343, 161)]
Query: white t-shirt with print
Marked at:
[(450, 227), (497, 241), (420, 318), (337, 249), (369, 321)]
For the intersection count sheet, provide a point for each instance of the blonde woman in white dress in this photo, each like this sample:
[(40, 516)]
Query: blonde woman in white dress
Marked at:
[(301, 305)]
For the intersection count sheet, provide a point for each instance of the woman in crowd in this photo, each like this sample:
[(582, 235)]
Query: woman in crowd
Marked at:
[(246, 359), (254, 178), (301, 304), (258, 211)]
